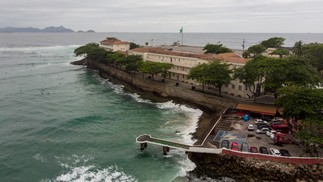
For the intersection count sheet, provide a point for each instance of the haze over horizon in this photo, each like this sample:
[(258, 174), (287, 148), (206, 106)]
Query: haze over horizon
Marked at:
[(205, 16)]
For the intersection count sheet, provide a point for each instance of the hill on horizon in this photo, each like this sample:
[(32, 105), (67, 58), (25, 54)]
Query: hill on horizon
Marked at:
[(32, 29)]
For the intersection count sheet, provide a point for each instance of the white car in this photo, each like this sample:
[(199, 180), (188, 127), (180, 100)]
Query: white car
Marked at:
[(262, 130), (274, 151), (257, 121), (269, 133), (250, 127)]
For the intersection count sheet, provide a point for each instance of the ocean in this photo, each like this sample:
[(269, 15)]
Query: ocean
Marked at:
[(64, 123)]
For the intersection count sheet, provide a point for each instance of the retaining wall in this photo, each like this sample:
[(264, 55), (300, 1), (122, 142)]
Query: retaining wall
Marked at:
[(165, 89)]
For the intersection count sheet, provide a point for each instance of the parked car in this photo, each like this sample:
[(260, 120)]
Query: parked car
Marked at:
[(274, 151), (244, 147), (284, 152), (269, 133), (259, 126), (262, 122), (235, 146), (257, 121), (225, 144), (263, 150), (253, 150), (250, 127), (262, 130)]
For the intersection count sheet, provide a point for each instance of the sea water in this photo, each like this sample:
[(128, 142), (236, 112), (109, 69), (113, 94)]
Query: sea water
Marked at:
[(60, 122)]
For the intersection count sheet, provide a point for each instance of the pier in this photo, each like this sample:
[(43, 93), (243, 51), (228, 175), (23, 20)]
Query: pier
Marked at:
[(144, 139)]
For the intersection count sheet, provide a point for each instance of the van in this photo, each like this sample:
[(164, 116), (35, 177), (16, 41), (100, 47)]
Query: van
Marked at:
[(282, 128)]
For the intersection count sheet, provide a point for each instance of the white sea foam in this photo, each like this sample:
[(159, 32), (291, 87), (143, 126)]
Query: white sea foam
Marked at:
[(77, 169), (36, 49), (39, 158), (186, 128), (119, 90), (92, 174)]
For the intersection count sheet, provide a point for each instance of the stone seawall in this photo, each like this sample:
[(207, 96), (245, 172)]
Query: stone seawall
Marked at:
[(165, 89), (250, 169)]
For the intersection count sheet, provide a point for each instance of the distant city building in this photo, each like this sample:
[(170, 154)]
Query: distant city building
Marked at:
[(183, 62), (113, 44)]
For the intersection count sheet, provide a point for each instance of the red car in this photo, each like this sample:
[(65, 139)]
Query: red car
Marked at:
[(253, 150), (235, 146)]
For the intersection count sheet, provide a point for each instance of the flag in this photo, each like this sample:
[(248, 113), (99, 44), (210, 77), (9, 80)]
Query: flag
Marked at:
[(181, 30)]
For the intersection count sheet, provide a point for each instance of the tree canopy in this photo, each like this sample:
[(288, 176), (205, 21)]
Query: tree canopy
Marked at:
[(216, 49), (274, 42), (314, 52), (133, 45), (92, 51), (280, 52), (274, 73), (154, 68), (215, 73), (305, 104), (256, 49)]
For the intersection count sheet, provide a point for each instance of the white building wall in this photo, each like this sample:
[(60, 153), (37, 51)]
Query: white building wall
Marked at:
[(116, 47), (183, 65)]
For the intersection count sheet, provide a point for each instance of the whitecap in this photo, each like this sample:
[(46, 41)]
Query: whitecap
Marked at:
[(77, 169)]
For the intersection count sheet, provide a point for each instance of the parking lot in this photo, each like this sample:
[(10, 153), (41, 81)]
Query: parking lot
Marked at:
[(240, 127)]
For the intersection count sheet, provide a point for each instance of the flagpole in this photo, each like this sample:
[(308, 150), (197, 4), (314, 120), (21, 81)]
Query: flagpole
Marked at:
[(181, 31), (182, 37)]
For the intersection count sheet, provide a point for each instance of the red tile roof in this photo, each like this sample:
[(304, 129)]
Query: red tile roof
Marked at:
[(113, 42), (226, 57)]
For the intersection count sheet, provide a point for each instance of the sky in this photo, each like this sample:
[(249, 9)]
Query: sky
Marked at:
[(263, 16)]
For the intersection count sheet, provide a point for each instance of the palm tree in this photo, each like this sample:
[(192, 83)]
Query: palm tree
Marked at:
[(298, 48)]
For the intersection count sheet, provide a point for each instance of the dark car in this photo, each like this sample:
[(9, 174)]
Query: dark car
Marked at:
[(244, 147), (253, 150), (259, 126), (284, 152), (263, 150), (225, 144)]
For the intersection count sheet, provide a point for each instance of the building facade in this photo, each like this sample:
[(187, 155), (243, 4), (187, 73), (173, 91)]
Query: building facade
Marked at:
[(113, 44), (184, 62)]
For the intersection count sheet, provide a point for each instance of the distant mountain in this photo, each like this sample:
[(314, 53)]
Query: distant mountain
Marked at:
[(31, 29)]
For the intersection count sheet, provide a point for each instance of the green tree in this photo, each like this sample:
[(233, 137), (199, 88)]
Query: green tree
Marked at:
[(274, 73), (303, 105), (298, 48), (114, 58), (133, 66), (216, 49), (300, 102), (274, 42), (92, 51), (154, 68), (215, 73), (199, 73), (314, 52), (280, 52), (256, 49), (134, 45), (218, 75), (246, 54)]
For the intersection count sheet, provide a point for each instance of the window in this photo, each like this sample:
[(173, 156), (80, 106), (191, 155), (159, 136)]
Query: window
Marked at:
[(240, 87), (233, 86)]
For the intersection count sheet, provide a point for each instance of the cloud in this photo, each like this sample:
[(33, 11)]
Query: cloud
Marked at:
[(167, 15)]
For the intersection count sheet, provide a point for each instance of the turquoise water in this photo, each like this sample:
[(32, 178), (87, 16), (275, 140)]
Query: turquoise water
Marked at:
[(64, 123)]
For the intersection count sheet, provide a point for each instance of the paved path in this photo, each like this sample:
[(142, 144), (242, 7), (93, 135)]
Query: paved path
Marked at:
[(148, 139)]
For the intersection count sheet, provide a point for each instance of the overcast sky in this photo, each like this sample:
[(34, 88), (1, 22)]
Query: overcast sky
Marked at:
[(272, 16)]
